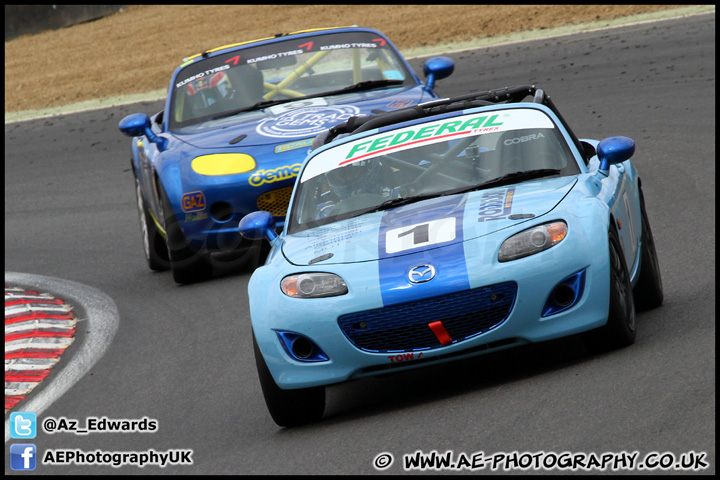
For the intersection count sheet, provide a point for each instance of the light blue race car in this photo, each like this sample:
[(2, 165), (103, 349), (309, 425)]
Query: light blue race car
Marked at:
[(437, 232)]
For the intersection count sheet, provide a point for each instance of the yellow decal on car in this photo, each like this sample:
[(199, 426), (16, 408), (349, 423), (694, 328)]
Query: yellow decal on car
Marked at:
[(223, 164)]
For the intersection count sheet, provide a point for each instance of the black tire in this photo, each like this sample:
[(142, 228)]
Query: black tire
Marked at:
[(288, 408), (621, 327), (247, 254), (154, 246), (188, 264), (648, 291)]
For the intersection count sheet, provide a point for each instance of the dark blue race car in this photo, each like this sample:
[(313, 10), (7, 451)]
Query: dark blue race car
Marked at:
[(237, 124)]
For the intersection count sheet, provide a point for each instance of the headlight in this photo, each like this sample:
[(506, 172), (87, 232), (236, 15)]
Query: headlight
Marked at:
[(532, 241), (313, 285)]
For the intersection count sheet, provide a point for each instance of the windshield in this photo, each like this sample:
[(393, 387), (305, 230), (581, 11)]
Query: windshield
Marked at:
[(443, 157), (256, 77)]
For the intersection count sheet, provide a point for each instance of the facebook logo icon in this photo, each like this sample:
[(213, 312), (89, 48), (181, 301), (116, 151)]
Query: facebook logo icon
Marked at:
[(23, 456), (23, 425)]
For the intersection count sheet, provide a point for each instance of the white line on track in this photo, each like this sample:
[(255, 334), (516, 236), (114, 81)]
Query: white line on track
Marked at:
[(103, 316)]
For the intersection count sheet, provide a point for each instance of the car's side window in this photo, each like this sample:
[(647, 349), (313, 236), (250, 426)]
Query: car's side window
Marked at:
[(588, 152), (156, 123)]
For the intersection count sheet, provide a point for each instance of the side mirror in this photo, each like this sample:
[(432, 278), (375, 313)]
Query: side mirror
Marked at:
[(437, 68), (258, 225), (134, 125), (137, 125), (614, 150)]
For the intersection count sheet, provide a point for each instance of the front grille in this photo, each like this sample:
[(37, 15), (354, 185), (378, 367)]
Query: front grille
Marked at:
[(404, 327), (275, 201)]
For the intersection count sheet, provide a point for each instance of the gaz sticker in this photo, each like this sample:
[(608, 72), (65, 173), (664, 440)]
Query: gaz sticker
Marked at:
[(193, 202)]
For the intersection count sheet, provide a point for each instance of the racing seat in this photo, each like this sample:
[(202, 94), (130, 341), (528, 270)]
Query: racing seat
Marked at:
[(248, 84), (199, 104)]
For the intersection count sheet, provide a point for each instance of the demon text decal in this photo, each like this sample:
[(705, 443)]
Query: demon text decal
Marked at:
[(274, 174)]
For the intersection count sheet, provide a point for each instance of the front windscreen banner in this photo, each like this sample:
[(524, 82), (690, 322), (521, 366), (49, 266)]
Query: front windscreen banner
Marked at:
[(287, 69), (273, 53), (445, 130), (391, 167)]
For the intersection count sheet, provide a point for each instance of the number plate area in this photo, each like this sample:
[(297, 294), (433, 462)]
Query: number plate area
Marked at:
[(420, 235)]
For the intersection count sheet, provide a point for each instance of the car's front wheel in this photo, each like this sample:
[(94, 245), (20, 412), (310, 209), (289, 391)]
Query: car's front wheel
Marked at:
[(288, 408), (621, 327), (649, 289), (156, 252), (188, 264)]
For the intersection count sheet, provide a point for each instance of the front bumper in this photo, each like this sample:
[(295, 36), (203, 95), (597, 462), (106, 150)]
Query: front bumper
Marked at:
[(215, 228), (530, 280)]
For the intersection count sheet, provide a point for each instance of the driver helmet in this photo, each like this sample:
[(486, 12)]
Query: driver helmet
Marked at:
[(221, 82), (210, 90), (357, 177)]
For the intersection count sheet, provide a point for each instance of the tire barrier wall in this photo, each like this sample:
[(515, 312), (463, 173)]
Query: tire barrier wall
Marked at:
[(32, 19)]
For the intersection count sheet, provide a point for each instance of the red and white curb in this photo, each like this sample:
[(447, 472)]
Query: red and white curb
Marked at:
[(38, 329), (98, 320)]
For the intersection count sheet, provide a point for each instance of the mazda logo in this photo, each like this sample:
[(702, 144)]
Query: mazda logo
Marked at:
[(421, 274)]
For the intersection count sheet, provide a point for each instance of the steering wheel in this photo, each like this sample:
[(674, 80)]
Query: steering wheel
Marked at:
[(356, 202), (410, 189)]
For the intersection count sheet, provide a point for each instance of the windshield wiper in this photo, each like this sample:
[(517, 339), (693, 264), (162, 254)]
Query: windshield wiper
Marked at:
[(359, 87), (396, 202), (258, 106), (367, 85), (521, 176), (509, 179)]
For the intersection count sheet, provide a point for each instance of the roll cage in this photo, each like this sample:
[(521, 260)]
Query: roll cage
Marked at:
[(504, 95), (252, 91)]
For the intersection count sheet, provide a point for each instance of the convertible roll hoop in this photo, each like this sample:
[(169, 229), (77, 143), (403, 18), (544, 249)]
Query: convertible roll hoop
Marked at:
[(504, 95)]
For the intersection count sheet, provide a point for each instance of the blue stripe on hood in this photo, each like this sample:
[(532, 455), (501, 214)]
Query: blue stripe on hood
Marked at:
[(409, 237)]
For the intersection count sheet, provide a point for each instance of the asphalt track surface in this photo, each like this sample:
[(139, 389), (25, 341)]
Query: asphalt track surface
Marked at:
[(183, 355)]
